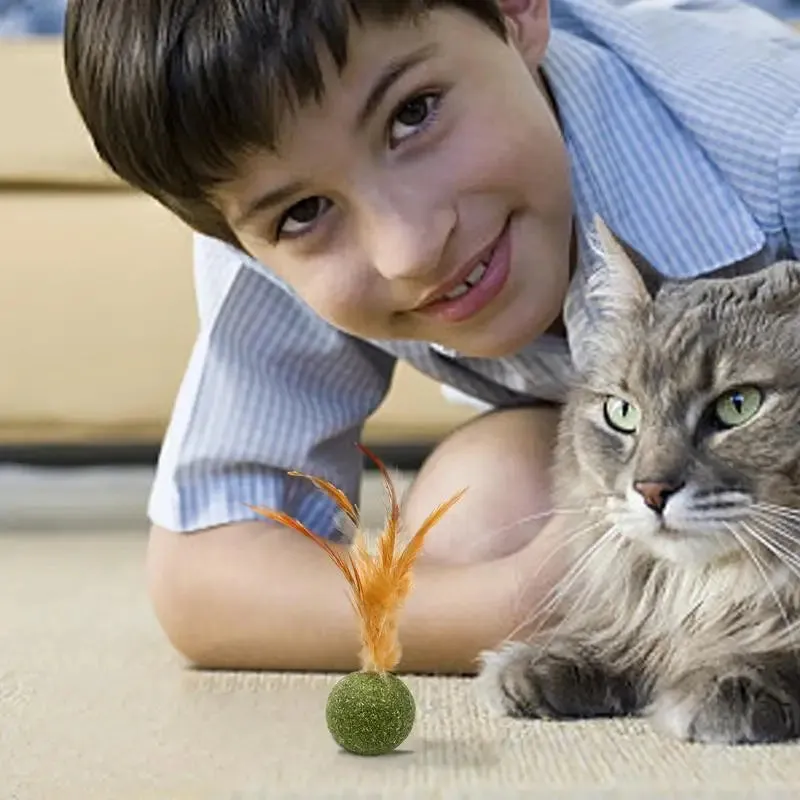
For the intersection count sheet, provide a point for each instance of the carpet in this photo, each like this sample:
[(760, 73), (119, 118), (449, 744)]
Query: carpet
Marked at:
[(96, 705)]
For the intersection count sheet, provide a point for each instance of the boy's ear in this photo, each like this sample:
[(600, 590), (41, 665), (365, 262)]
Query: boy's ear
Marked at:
[(528, 23)]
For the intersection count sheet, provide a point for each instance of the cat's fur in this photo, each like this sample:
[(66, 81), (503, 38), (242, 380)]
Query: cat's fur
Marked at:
[(692, 625)]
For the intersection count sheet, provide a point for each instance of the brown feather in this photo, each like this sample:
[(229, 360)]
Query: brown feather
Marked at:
[(414, 546), (345, 565), (379, 583), (337, 495), (388, 542)]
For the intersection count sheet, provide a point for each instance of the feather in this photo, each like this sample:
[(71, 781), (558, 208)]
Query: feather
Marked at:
[(387, 544), (344, 563), (337, 495), (380, 578), (414, 546)]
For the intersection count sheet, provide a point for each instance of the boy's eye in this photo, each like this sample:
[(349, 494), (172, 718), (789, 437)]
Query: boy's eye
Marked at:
[(414, 114), (302, 216)]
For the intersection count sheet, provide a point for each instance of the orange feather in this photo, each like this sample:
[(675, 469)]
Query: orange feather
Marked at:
[(387, 543), (379, 582), (337, 495)]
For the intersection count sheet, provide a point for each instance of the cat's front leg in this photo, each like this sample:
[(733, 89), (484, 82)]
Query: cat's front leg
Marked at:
[(558, 679), (753, 703)]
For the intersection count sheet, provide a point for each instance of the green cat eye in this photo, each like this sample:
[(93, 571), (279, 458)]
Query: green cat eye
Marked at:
[(621, 415), (738, 405)]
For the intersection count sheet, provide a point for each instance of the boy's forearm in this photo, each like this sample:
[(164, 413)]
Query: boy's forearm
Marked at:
[(257, 596)]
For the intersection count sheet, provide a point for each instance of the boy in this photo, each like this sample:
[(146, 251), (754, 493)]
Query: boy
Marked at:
[(411, 179)]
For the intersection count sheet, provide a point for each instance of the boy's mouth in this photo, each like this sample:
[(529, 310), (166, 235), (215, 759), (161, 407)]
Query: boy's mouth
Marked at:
[(475, 287)]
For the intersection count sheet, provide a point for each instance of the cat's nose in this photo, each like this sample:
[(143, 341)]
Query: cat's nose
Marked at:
[(656, 493)]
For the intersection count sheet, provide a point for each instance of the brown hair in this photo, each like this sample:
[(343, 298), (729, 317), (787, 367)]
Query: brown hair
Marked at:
[(173, 91)]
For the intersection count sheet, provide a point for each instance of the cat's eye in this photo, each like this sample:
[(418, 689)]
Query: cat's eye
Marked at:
[(737, 406), (621, 415)]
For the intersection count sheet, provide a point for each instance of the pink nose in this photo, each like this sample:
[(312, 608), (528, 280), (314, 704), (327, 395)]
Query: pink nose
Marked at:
[(656, 493)]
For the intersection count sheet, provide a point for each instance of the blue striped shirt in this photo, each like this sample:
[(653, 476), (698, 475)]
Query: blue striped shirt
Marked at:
[(682, 123)]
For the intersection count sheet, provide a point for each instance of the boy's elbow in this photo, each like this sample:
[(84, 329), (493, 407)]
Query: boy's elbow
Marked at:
[(186, 576), (176, 597)]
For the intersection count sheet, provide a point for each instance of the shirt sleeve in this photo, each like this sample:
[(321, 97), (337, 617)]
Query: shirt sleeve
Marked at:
[(270, 387), (789, 183)]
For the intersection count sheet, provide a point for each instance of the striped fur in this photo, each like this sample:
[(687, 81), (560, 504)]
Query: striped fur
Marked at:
[(696, 621)]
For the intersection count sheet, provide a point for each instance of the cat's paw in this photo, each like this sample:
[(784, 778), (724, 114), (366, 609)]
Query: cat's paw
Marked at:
[(554, 682), (748, 707)]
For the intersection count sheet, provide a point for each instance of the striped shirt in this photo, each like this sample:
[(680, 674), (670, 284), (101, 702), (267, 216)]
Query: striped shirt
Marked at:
[(682, 123)]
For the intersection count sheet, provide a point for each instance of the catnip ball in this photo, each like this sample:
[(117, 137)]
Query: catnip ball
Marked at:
[(370, 713)]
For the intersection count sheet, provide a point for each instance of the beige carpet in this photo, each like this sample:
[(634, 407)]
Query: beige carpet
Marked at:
[(96, 705)]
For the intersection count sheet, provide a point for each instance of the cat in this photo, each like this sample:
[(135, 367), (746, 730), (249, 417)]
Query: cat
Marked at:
[(681, 439)]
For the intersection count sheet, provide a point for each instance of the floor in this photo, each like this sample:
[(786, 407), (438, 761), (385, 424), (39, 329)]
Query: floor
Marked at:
[(95, 704)]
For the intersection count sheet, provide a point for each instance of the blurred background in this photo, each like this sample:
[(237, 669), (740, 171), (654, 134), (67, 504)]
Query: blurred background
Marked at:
[(98, 310)]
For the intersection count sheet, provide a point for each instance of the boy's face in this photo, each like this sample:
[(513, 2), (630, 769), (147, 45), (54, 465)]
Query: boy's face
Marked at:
[(456, 172)]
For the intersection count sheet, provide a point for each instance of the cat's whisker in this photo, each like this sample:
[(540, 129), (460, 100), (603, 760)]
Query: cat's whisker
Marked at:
[(585, 595), (777, 507), (760, 567), (552, 594), (777, 527), (789, 538), (790, 527), (553, 512), (566, 542), (551, 600), (779, 511), (789, 560), (776, 546)]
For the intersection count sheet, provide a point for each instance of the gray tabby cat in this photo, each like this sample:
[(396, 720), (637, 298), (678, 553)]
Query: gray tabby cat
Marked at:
[(682, 441)]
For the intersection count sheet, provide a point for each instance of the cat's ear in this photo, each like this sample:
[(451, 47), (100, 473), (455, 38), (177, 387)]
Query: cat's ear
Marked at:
[(617, 287), (615, 292)]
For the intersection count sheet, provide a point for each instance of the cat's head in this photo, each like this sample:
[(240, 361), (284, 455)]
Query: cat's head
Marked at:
[(685, 424)]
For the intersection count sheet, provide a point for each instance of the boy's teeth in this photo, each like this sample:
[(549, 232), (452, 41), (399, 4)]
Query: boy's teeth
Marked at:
[(476, 274), (471, 280), (462, 288)]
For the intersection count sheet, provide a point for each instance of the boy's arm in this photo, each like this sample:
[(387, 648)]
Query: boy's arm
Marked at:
[(270, 387), (256, 596)]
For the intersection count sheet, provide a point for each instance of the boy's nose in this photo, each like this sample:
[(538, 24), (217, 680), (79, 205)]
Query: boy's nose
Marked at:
[(412, 245)]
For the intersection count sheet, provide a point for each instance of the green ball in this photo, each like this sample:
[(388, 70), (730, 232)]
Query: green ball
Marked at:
[(370, 714)]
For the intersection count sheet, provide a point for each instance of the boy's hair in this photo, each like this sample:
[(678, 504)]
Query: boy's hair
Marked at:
[(173, 91)]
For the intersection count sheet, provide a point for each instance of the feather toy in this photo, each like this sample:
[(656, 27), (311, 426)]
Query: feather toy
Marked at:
[(371, 712)]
